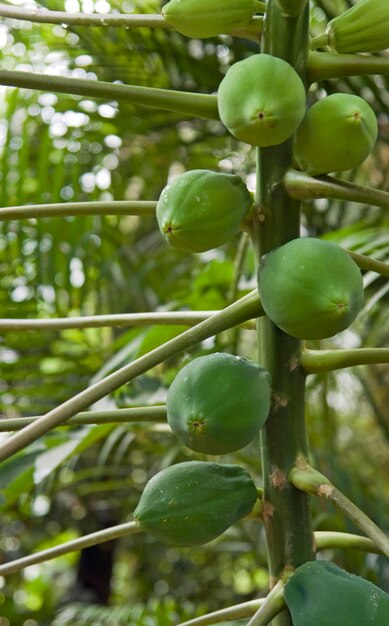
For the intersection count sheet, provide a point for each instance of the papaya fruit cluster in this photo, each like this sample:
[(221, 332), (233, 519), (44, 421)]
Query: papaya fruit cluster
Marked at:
[(309, 288), (362, 28), (262, 102), (216, 404)]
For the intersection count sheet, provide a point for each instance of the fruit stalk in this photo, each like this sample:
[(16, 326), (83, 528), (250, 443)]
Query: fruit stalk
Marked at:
[(273, 605), (75, 545), (302, 186), (128, 20), (286, 511), (305, 477), (193, 104), (325, 65)]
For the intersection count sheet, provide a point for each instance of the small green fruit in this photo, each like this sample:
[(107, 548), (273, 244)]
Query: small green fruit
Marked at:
[(201, 210), (363, 28), (207, 18), (194, 502), (320, 593), (218, 403), (309, 288), (338, 133), (261, 100)]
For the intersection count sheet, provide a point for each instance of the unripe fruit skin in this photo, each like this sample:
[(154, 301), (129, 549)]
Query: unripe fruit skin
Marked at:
[(310, 288), (363, 28), (337, 134), (320, 593), (201, 210), (261, 100), (218, 403), (207, 18), (193, 502)]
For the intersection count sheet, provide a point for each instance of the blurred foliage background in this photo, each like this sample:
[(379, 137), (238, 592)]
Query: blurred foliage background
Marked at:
[(58, 148)]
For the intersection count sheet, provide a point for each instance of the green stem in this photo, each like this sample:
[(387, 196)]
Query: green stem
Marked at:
[(238, 611), (238, 312), (73, 209), (291, 8), (315, 361), (239, 261), (286, 510), (116, 416), (193, 104), (327, 540), (93, 539), (306, 478), (302, 186), (369, 264), (273, 605), (259, 6), (252, 30), (320, 41), (127, 20), (184, 318), (325, 65)]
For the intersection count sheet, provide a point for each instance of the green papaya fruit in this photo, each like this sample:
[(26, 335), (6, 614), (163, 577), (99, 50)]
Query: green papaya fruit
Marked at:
[(201, 210), (363, 28), (194, 502), (261, 100), (338, 133), (207, 18), (319, 593), (218, 403), (311, 289)]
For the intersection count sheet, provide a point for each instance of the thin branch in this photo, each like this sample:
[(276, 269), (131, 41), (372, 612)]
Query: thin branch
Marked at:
[(116, 416), (325, 65), (193, 104), (41, 16), (246, 308), (325, 540), (238, 611), (273, 605), (309, 480), (369, 264), (239, 261), (93, 539), (184, 318), (74, 209), (302, 186), (314, 361)]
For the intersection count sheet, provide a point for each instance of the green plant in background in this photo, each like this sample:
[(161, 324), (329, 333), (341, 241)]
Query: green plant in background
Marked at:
[(308, 289)]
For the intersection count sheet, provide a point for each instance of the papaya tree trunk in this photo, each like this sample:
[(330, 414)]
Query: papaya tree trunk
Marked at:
[(286, 510)]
